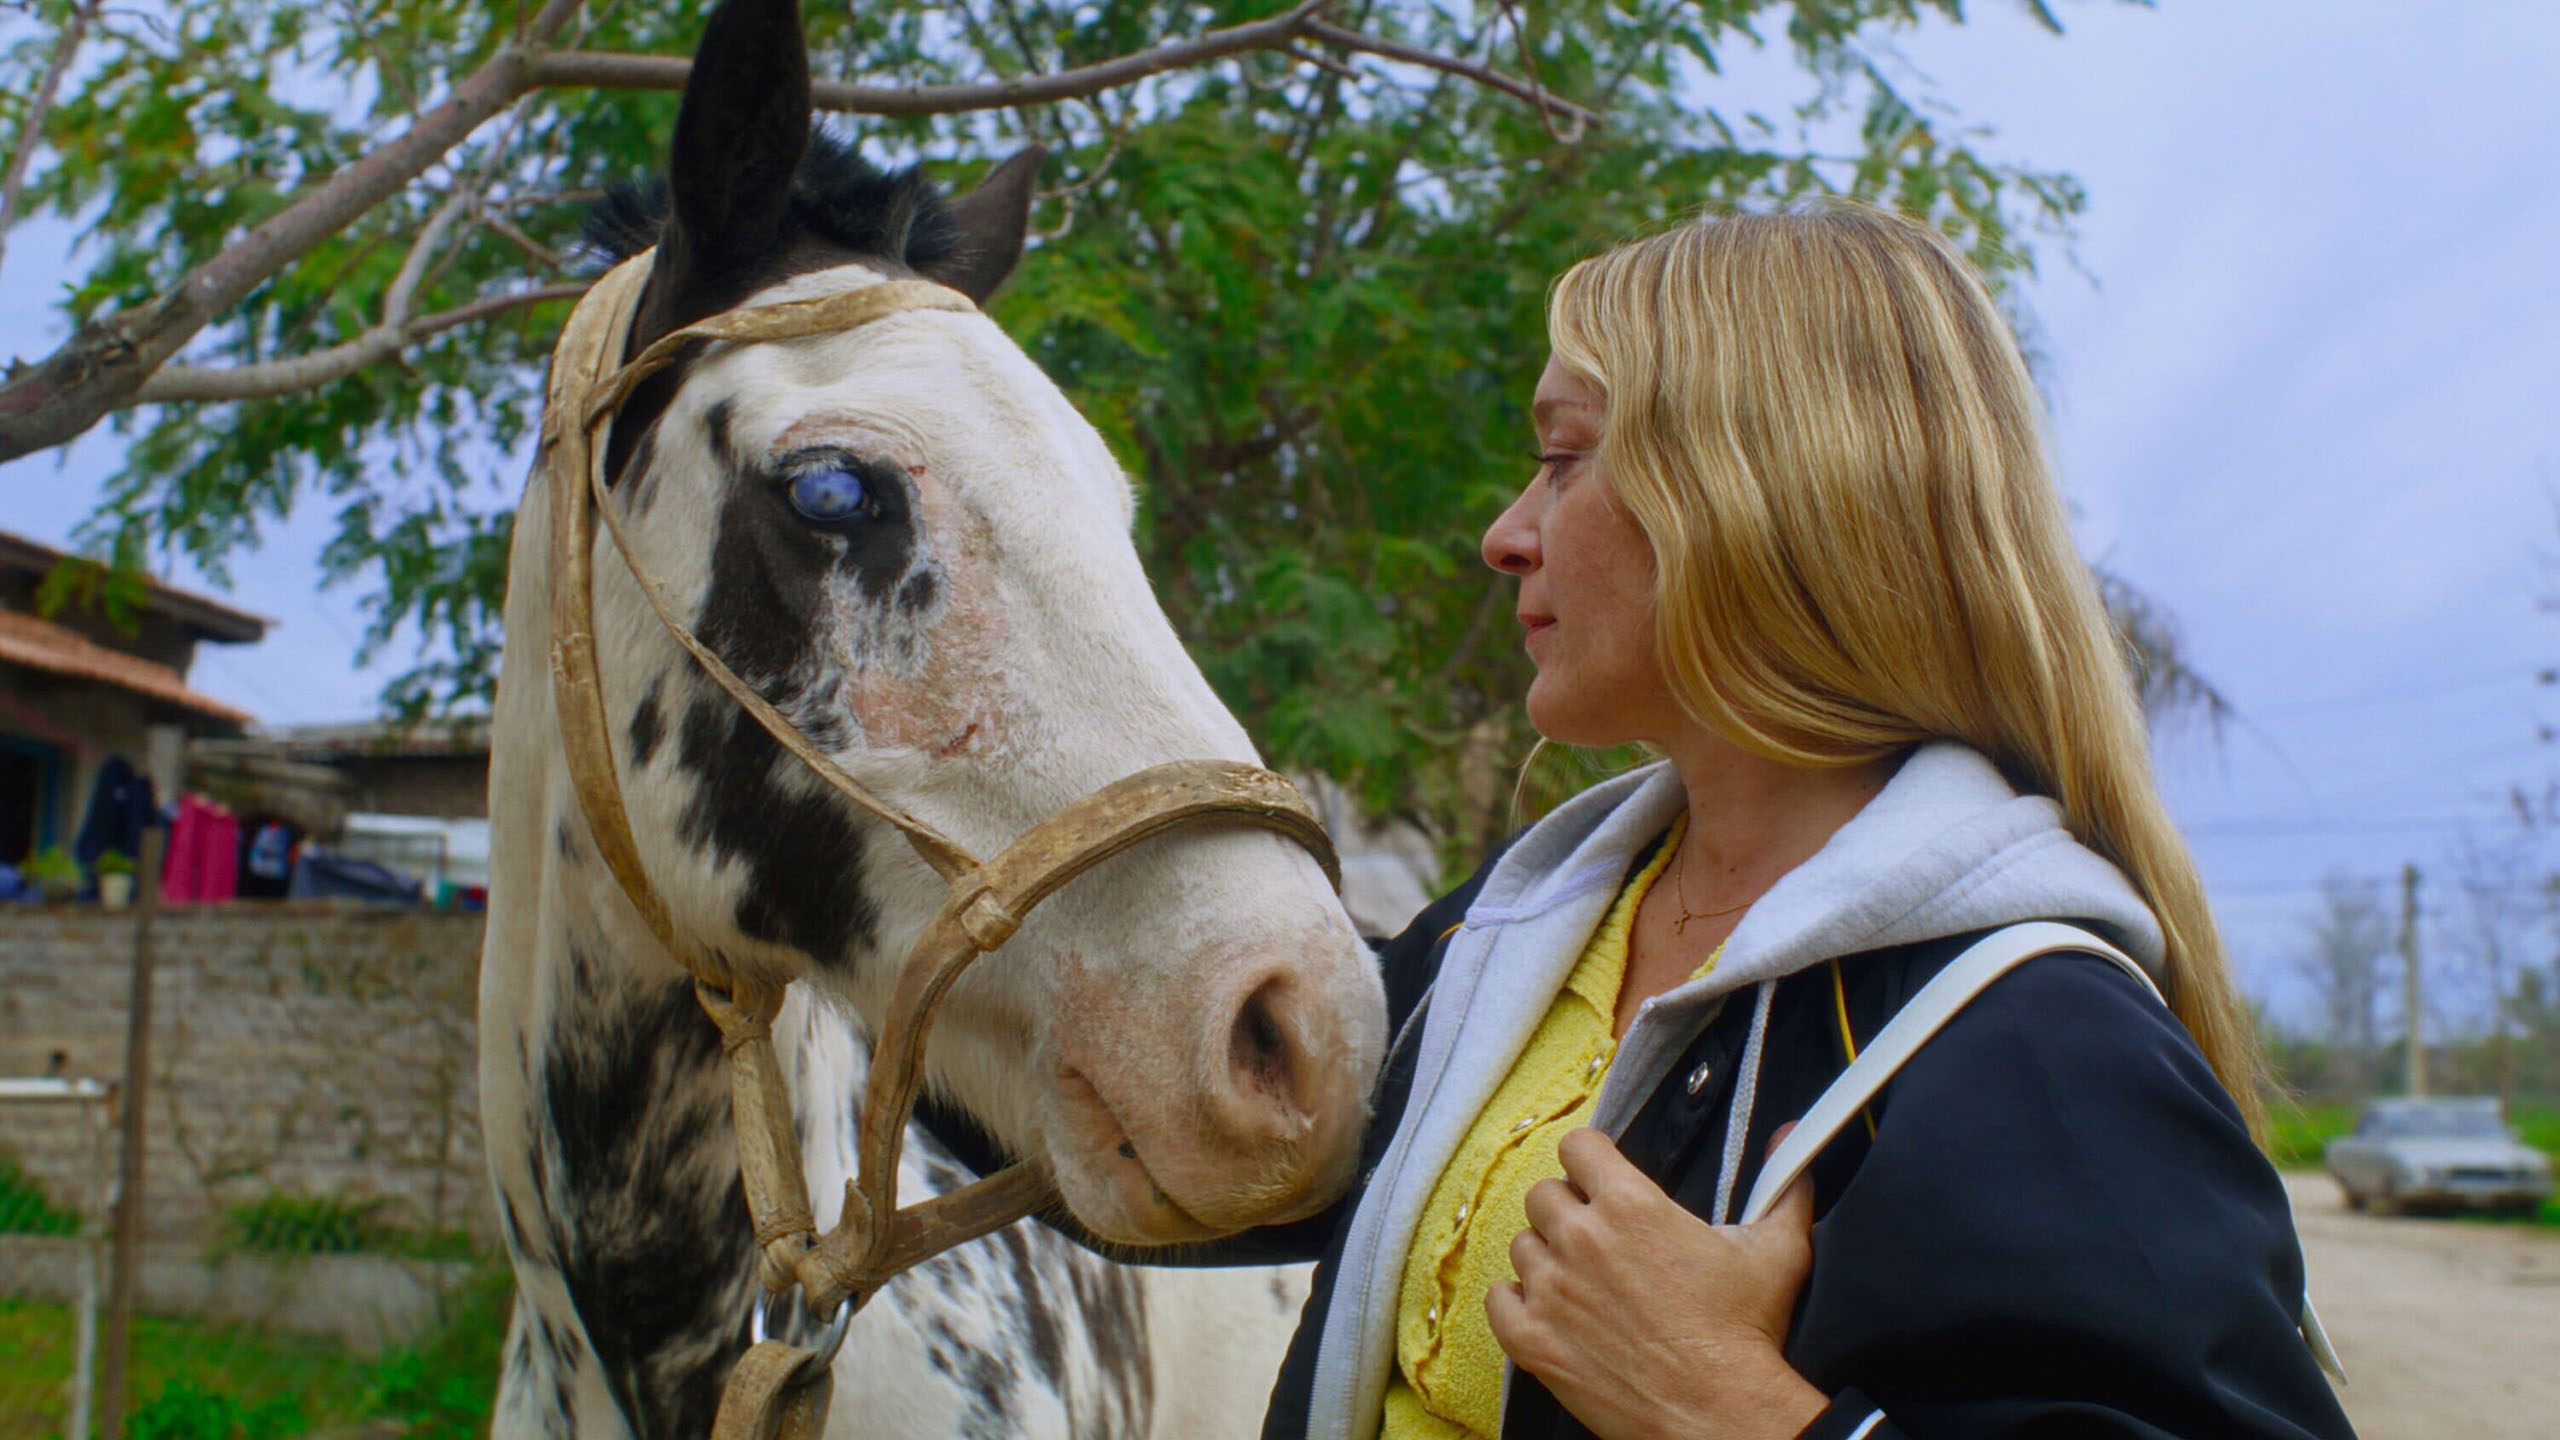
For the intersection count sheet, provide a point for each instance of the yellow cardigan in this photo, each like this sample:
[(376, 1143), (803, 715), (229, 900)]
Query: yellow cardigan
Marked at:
[(1447, 1382)]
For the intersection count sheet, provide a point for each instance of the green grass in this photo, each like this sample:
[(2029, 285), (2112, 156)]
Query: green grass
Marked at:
[(249, 1366), (210, 1380)]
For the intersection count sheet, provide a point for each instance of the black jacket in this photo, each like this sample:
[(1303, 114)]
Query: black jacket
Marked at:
[(2059, 1227)]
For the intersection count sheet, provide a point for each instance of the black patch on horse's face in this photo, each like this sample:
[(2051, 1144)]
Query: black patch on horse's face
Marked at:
[(633, 1091), (644, 475), (715, 424), (801, 849), (769, 569), (648, 726)]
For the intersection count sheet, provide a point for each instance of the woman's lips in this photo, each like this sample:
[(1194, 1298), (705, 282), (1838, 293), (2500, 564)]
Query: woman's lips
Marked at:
[(1534, 626)]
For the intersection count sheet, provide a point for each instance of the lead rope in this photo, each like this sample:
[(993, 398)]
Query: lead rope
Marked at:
[(779, 1391)]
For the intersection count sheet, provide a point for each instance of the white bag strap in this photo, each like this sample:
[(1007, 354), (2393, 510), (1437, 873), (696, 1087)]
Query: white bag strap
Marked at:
[(1947, 992)]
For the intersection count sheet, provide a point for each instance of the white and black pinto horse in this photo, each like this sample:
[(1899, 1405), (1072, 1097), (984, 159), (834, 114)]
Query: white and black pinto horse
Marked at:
[(910, 542)]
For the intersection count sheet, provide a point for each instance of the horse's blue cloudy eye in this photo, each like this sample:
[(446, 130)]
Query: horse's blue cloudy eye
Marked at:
[(828, 496)]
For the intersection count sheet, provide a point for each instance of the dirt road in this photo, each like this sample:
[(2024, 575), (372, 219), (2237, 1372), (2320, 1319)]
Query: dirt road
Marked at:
[(2446, 1327)]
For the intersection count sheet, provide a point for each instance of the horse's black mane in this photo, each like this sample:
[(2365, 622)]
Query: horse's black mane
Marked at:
[(836, 196)]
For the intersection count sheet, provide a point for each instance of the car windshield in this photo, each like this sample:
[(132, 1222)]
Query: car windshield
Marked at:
[(2461, 1121)]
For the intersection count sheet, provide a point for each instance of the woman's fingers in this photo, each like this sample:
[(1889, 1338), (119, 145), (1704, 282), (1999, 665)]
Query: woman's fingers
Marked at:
[(1506, 1311), (1547, 1204), (1531, 1258), (1592, 1162)]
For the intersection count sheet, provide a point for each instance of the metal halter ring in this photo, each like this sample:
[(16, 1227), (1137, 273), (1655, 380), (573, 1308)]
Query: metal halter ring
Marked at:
[(761, 1326)]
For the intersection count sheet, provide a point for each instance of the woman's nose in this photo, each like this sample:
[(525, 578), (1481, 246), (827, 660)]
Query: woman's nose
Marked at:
[(1511, 541)]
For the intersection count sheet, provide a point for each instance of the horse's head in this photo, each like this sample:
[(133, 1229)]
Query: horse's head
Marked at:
[(909, 541)]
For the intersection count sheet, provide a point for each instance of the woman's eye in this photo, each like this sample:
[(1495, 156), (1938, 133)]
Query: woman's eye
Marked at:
[(829, 496)]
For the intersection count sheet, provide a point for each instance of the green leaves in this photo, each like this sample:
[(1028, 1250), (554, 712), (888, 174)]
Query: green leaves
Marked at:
[(1303, 302)]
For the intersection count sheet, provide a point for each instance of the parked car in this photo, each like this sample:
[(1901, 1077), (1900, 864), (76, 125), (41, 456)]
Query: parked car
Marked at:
[(2440, 1152)]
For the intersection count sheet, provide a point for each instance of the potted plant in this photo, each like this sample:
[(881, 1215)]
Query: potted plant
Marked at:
[(55, 873), (115, 879)]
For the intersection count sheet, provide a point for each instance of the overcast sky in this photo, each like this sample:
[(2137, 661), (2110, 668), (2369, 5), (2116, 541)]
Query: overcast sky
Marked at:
[(2307, 395)]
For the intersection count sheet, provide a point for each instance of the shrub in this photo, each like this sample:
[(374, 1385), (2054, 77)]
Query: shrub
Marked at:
[(443, 1386), (286, 1224), (24, 1207)]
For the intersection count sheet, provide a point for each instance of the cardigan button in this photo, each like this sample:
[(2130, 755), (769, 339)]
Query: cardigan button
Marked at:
[(1698, 1078)]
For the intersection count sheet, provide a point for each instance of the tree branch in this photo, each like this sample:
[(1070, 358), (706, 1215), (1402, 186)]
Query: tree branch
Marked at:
[(608, 70), (104, 364), (110, 364), (1575, 117), (31, 130), (269, 379)]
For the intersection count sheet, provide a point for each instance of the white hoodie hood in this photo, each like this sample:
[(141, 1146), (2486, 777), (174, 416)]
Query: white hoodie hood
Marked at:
[(1946, 848)]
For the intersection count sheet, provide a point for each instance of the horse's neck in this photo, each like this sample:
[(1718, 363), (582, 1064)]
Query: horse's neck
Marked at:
[(607, 1124)]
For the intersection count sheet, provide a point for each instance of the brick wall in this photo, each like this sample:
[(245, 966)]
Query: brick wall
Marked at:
[(320, 1048)]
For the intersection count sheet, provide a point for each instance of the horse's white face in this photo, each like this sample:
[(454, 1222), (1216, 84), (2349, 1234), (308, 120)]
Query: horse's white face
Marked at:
[(909, 540)]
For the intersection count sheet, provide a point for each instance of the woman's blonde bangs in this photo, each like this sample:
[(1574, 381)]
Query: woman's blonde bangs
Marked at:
[(1824, 428)]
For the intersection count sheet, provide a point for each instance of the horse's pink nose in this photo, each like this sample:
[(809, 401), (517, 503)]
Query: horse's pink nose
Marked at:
[(1280, 1070), (1268, 1072)]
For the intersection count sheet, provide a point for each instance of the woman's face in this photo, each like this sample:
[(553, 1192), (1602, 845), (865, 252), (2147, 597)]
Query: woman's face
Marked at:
[(1586, 583)]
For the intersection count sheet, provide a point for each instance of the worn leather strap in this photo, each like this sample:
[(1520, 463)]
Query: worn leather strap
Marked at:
[(769, 1398)]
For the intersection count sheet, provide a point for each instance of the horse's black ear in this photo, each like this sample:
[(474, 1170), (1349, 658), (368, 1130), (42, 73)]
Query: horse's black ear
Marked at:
[(739, 137), (992, 221)]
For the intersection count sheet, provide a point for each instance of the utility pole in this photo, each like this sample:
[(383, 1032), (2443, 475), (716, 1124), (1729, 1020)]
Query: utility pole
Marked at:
[(2413, 1010), (166, 763)]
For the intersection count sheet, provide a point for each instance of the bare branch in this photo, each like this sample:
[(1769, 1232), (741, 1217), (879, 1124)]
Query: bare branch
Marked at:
[(413, 266), (103, 365), (612, 71), (1576, 118), (507, 230), (1326, 63), (269, 379), (31, 131)]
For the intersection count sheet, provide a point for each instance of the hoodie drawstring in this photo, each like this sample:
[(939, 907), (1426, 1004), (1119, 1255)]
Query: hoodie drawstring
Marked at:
[(1737, 1121)]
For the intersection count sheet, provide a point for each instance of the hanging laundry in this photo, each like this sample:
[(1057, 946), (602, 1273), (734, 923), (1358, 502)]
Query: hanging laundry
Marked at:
[(120, 805), (204, 854)]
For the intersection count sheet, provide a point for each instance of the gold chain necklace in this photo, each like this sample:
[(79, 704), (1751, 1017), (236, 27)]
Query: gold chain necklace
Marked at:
[(1680, 892)]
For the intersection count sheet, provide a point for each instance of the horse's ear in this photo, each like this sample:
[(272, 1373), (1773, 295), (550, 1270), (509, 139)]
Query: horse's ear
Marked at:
[(992, 219), (739, 138)]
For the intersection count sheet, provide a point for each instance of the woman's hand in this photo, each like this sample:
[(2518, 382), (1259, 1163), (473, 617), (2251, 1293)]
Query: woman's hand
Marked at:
[(1643, 1319)]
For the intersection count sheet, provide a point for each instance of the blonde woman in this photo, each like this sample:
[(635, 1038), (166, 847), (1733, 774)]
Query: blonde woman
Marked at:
[(1792, 527)]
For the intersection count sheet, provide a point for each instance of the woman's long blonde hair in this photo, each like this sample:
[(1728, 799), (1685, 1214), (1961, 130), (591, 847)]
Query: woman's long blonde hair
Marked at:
[(1823, 426)]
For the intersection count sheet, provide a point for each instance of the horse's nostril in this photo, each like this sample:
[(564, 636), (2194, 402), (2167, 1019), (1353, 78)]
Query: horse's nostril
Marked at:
[(1259, 1055)]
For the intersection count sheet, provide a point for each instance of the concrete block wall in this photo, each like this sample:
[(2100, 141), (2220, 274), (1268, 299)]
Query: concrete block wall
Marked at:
[(306, 1048)]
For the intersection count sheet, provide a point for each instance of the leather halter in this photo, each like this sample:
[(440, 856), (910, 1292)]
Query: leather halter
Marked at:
[(987, 900)]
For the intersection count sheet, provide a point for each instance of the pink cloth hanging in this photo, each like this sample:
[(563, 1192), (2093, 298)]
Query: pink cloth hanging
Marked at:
[(204, 854)]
